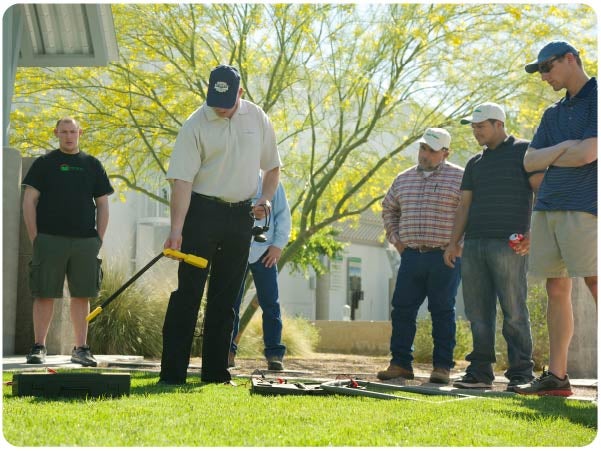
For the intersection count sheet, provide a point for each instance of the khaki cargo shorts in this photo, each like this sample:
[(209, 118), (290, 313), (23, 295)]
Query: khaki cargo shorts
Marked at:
[(563, 244), (55, 257)]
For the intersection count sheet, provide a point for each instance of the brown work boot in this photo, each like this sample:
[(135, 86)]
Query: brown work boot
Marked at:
[(440, 376), (394, 371)]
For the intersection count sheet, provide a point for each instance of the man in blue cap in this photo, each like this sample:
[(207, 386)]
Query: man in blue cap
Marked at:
[(564, 221), (213, 171)]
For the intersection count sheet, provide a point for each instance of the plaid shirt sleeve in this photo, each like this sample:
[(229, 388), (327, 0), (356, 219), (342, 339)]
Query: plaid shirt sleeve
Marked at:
[(391, 214)]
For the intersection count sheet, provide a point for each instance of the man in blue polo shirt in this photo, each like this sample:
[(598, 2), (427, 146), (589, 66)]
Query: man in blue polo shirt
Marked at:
[(564, 222)]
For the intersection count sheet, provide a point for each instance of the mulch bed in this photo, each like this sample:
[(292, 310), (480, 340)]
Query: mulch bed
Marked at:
[(333, 366)]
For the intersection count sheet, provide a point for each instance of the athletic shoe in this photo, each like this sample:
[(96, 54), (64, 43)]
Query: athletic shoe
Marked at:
[(514, 381), (275, 364), (83, 356), (394, 371), (231, 360), (37, 354), (546, 384), (440, 376), (469, 381)]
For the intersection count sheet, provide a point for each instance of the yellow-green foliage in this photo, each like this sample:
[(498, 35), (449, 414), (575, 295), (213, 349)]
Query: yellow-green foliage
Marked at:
[(349, 89)]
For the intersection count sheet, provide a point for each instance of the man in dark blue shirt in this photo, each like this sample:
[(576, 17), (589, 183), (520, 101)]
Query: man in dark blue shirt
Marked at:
[(496, 201), (564, 222)]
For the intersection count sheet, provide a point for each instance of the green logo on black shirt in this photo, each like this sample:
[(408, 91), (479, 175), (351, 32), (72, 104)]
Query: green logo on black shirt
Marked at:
[(66, 168)]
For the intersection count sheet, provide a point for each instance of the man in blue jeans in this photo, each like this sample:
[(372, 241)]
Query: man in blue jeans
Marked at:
[(262, 259), (496, 201), (418, 212)]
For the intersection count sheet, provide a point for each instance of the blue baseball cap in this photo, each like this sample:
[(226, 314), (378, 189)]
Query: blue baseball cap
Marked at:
[(224, 82), (553, 48)]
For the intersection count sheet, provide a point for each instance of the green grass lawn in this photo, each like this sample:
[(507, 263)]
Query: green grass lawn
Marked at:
[(220, 415)]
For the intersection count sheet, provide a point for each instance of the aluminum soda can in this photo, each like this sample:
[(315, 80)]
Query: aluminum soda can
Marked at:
[(514, 239)]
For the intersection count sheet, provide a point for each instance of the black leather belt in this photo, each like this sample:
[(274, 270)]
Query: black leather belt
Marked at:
[(424, 249), (242, 203)]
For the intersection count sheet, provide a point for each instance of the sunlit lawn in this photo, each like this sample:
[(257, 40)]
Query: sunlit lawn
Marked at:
[(220, 415)]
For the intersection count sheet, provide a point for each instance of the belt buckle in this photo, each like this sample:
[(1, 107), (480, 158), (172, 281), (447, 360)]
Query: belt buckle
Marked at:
[(241, 203)]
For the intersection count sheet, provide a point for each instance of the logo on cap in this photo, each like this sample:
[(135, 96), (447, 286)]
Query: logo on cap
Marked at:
[(484, 112), (221, 86), (224, 83), (436, 138)]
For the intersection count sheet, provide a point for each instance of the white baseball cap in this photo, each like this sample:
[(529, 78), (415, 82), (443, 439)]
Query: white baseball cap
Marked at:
[(485, 111), (436, 138)]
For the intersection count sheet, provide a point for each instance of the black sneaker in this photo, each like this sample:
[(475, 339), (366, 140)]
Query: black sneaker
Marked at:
[(469, 381), (83, 356), (546, 384), (514, 381), (37, 354)]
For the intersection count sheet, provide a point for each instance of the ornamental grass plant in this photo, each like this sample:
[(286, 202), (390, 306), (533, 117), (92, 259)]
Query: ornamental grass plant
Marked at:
[(131, 324)]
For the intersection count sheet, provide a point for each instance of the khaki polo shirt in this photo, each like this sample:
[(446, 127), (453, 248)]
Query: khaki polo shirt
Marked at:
[(222, 157)]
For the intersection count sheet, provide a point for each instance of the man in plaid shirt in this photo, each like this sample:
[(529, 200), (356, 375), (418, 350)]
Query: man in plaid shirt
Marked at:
[(418, 213)]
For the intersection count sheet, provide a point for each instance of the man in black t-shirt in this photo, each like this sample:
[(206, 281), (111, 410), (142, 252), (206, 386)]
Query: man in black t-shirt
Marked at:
[(496, 202), (66, 212)]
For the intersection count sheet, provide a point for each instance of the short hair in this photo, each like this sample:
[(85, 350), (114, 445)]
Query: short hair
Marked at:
[(492, 121), (67, 119)]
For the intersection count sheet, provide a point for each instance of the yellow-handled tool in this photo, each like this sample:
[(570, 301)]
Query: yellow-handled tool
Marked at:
[(186, 258)]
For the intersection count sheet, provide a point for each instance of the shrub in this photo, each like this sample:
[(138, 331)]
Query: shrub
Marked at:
[(423, 345), (132, 323), (298, 334)]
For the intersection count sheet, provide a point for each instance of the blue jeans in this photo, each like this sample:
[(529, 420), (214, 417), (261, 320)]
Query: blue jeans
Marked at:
[(424, 275), (491, 270), (266, 283)]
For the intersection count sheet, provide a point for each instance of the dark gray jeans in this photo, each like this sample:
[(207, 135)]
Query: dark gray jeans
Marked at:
[(491, 270)]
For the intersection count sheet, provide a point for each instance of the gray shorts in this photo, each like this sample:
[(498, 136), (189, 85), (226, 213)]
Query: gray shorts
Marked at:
[(55, 257)]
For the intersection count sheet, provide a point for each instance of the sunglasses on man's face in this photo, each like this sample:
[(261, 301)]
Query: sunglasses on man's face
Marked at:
[(546, 66)]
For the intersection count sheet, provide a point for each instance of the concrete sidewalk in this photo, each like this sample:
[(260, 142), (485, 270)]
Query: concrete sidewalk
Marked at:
[(133, 363), (17, 363)]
